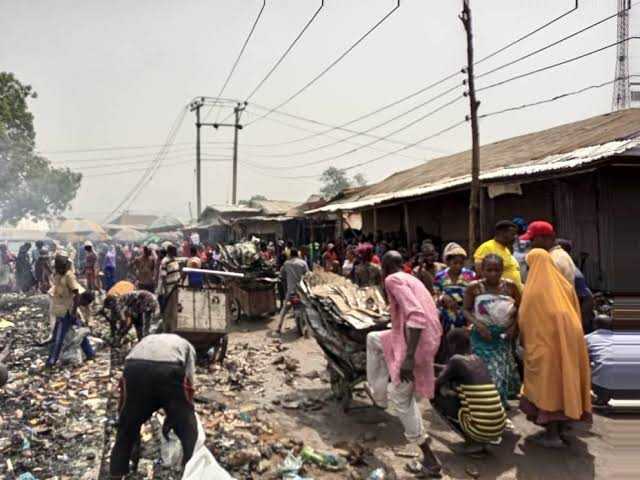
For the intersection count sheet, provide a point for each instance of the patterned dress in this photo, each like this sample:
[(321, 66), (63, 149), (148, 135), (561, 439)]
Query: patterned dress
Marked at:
[(497, 311), (444, 285)]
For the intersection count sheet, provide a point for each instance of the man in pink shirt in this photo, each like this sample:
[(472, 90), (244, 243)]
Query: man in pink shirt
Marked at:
[(405, 354)]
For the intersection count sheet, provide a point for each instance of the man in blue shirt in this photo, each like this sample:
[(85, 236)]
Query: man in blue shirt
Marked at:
[(615, 361)]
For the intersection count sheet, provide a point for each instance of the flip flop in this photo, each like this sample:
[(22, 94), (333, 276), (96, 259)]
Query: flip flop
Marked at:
[(422, 471)]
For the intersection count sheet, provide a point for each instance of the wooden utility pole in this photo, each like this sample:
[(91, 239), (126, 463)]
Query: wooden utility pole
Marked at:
[(474, 197)]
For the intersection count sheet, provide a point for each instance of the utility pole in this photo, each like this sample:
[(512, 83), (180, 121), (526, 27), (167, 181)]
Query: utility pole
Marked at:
[(621, 85), (238, 109), (474, 196), (195, 106)]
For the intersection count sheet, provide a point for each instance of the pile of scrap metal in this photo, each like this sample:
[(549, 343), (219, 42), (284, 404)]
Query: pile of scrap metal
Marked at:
[(340, 315), (244, 257)]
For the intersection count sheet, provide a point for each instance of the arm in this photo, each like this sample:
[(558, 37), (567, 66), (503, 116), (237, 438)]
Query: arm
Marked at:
[(468, 305), (406, 369), (449, 373)]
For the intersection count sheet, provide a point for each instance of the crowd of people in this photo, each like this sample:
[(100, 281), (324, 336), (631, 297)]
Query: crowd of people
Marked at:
[(470, 333)]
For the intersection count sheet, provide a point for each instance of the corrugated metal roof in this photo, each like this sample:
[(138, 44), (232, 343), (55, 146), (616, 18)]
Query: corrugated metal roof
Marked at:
[(565, 147), (273, 207), (226, 208), (262, 218)]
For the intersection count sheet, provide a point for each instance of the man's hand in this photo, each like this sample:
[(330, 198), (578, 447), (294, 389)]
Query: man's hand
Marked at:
[(406, 369)]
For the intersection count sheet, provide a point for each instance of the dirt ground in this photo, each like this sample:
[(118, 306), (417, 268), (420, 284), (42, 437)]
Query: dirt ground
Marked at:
[(326, 426)]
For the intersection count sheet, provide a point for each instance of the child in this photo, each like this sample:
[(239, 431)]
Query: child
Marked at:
[(466, 396)]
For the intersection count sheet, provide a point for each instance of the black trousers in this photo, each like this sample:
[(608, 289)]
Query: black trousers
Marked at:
[(146, 387)]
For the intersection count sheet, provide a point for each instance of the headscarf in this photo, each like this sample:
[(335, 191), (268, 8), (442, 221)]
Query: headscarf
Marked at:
[(453, 249), (557, 372), (365, 251)]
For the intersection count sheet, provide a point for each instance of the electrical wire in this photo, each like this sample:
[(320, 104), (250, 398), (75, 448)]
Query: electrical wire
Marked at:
[(332, 64), (370, 129), (148, 173), (373, 142), (552, 66), (426, 88), (114, 148), (286, 52), (551, 45), (549, 100), (235, 64)]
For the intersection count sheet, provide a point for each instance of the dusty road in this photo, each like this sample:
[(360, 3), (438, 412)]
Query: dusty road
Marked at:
[(300, 407)]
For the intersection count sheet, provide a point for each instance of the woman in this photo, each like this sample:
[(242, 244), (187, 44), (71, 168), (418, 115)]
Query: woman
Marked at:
[(109, 268), (557, 375), (490, 307), (43, 270), (6, 259), (428, 266), (349, 262), (450, 285), (24, 276)]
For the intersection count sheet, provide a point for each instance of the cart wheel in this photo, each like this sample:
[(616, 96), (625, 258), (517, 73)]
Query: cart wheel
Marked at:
[(236, 311)]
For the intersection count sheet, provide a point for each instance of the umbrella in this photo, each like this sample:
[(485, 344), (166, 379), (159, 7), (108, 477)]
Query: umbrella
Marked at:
[(129, 235), (77, 230)]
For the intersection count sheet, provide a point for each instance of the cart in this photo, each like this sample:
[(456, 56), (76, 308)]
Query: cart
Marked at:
[(342, 340), (252, 298), (203, 319)]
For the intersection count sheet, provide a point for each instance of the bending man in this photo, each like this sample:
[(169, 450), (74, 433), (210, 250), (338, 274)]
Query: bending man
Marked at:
[(405, 354)]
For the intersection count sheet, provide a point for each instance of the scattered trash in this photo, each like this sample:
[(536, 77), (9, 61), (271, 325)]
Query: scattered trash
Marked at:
[(291, 466), (377, 474), (170, 450)]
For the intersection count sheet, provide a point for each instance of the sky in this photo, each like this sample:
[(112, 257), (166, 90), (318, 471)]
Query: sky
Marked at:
[(113, 78)]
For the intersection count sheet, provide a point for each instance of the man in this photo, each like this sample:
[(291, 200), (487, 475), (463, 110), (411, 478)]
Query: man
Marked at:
[(292, 272), (196, 279), (138, 307), (168, 287), (367, 273), (585, 295), (111, 304), (158, 373), (542, 235), (428, 266), (90, 266), (144, 268), (400, 360), (503, 238), (65, 301), (466, 396), (615, 361), (330, 259)]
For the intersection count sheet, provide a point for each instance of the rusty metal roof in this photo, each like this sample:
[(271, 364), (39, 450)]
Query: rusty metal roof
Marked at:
[(564, 147)]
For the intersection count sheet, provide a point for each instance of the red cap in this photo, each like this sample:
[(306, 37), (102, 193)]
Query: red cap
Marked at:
[(538, 228)]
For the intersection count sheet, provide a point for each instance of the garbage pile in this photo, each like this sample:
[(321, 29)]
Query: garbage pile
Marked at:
[(51, 422), (340, 315), (244, 257)]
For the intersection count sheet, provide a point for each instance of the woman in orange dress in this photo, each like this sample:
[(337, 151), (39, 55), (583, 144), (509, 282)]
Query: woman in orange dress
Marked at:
[(557, 375)]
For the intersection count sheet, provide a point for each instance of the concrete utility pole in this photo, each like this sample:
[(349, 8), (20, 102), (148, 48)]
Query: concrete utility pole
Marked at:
[(474, 197), (239, 108), (195, 106)]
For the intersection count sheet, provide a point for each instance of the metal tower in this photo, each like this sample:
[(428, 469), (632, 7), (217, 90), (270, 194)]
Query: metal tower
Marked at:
[(621, 87)]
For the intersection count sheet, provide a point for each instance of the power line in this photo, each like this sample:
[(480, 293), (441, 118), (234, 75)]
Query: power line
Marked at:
[(549, 100), (550, 67), (235, 64), (551, 45), (398, 130), (332, 64), (424, 89), (286, 52), (120, 165), (148, 174), (370, 129), (135, 170), (113, 148)]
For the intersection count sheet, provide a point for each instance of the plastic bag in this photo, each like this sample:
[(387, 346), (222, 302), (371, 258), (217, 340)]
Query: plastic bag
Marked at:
[(202, 465), (170, 450), (71, 351)]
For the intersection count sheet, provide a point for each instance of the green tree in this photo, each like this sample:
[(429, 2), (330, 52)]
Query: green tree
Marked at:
[(334, 180), (29, 184)]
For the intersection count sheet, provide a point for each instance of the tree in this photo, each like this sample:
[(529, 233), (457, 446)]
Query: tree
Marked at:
[(29, 184), (335, 180)]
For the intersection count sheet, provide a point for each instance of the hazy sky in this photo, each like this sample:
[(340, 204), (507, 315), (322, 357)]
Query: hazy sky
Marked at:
[(114, 74)]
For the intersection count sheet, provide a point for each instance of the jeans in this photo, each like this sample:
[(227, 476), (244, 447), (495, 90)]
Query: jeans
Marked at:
[(148, 386), (109, 278), (62, 327)]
